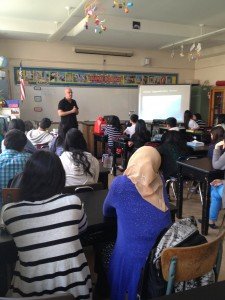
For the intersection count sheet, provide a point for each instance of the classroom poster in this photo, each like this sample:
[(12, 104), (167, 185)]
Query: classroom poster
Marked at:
[(50, 76)]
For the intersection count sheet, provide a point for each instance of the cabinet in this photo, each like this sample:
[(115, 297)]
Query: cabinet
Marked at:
[(88, 129), (217, 103), (200, 101)]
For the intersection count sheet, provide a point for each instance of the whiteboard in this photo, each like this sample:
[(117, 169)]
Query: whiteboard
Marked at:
[(92, 102)]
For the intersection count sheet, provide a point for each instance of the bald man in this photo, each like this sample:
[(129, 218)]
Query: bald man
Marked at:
[(68, 110)]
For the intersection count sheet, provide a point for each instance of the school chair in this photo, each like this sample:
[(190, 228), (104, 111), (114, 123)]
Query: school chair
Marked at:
[(10, 195), (74, 189), (186, 263)]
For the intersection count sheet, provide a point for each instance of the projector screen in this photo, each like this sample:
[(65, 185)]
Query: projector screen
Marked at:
[(163, 101)]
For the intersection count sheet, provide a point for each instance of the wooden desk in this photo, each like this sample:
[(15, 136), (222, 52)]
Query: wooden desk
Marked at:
[(214, 291), (199, 169)]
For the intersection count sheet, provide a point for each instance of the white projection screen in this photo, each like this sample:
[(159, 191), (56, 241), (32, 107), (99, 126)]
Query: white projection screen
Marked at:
[(163, 101)]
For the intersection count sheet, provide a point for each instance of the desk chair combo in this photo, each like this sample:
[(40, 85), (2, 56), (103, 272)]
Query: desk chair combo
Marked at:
[(186, 263), (172, 182)]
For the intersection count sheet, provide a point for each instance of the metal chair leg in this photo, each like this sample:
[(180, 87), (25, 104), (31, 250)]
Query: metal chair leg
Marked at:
[(171, 276)]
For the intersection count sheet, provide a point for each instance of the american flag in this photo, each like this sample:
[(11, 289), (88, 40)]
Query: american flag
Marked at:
[(22, 85)]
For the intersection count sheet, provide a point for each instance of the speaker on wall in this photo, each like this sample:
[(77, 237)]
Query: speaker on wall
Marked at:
[(146, 61)]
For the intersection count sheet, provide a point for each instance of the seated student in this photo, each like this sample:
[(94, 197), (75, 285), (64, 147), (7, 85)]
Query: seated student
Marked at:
[(141, 135), (1, 133), (139, 201), (20, 125), (189, 123), (13, 159), (28, 126), (217, 186), (81, 167), (56, 145), (131, 129), (112, 130), (171, 124), (45, 227), (198, 119), (217, 134), (173, 147), (40, 135), (221, 121)]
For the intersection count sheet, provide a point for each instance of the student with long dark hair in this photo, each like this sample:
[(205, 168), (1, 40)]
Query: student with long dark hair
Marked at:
[(45, 226), (217, 134), (221, 121), (112, 130), (189, 123), (56, 145), (140, 136), (81, 167), (198, 119), (173, 147)]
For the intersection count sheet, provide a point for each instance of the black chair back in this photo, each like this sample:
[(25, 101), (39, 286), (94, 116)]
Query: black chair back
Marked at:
[(74, 189)]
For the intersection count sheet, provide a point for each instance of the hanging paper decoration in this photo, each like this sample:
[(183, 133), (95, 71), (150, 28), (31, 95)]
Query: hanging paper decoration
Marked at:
[(90, 12), (123, 5)]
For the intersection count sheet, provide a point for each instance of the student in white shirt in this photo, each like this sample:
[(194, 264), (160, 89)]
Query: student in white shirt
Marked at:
[(81, 167), (40, 135), (171, 124), (131, 129), (189, 123)]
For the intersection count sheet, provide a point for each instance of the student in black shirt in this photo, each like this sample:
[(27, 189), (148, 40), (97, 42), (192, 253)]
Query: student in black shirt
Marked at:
[(68, 110)]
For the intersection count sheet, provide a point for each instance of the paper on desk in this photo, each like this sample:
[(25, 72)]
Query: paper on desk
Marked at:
[(195, 144)]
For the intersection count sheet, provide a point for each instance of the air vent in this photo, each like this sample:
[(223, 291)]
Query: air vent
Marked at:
[(103, 52)]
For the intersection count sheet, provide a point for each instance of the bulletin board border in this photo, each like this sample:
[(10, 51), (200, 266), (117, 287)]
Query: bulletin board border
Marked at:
[(93, 78)]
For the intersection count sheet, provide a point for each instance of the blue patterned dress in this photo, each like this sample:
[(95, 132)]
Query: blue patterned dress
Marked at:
[(138, 226)]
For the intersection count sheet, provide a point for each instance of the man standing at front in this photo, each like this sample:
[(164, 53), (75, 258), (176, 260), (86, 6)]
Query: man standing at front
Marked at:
[(68, 110)]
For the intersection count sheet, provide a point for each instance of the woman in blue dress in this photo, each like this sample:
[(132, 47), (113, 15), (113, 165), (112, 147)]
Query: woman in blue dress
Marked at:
[(140, 203)]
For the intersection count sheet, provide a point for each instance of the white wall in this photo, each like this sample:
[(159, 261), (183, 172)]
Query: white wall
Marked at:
[(210, 69), (60, 55)]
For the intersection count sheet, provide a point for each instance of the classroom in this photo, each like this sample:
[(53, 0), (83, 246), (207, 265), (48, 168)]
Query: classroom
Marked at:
[(108, 55)]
